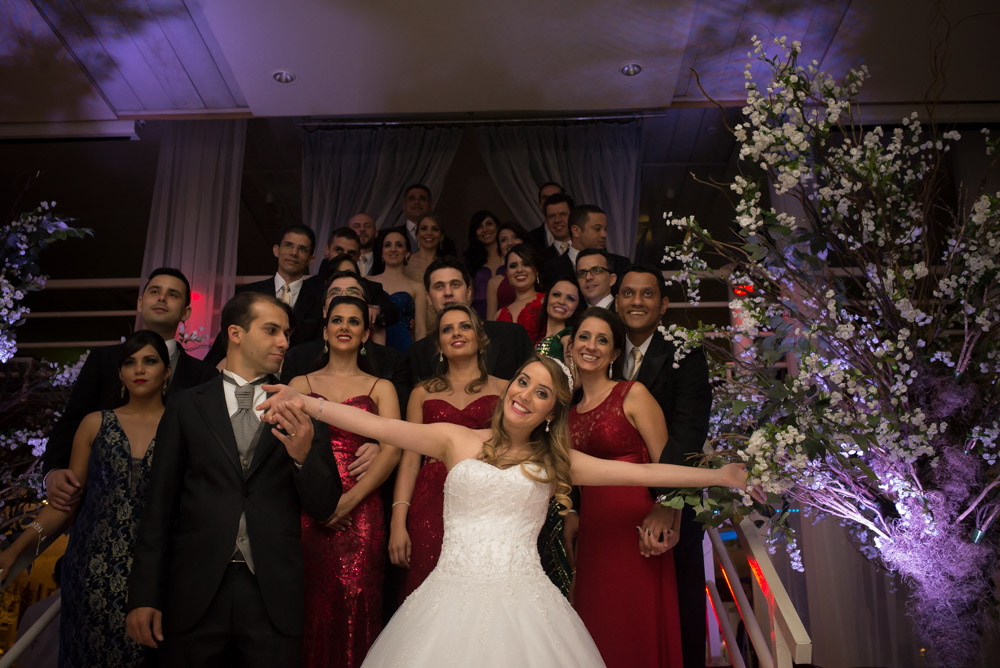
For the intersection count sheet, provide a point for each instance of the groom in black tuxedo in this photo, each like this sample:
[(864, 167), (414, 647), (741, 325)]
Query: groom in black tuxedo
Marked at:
[(217, 575), (685, 397)]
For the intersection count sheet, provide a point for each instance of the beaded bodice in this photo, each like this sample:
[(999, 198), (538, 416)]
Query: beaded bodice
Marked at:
[(491, 521)]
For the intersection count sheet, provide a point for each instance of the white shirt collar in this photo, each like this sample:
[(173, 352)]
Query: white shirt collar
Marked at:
[(171, 346), (230, 392), (293, 288), (643, 347), (606, 302), (571, 253)]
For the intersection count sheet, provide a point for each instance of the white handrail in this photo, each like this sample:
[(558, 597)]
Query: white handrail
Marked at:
[(11, 655), (760, 643), (724, 624)]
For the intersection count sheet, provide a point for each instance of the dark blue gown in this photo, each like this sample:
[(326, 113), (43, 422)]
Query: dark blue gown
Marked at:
[(98, 557), (398, 336)]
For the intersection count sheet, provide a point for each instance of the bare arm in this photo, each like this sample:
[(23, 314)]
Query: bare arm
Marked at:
[(645, 414), (406, 477), (447, 442), (587, 470)]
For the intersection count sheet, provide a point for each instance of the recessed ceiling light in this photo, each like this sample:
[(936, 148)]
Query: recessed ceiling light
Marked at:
[(630, 69), (283, 76)]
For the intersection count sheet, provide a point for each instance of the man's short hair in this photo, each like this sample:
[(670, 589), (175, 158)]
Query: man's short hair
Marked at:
[(661, 284), (344, 274), (587, 252), (447, 262), (176, 273), (239, 310), (558, 198), (298, 228), (578, 215), (344, 232), (418, 186), (546, 185)]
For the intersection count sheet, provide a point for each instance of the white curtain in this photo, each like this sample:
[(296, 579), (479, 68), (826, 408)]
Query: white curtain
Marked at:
[(596, 162), (194, 222), (349, 170)]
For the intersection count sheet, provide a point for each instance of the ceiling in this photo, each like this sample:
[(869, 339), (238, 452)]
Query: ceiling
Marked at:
[(66, 64)]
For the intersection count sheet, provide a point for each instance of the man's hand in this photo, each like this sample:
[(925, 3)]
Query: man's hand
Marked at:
[(145, 626), (298, 431), (657, 533), (62, 489), (366, 454)]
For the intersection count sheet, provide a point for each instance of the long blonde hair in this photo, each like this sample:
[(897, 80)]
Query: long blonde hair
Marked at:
[(549, 448)]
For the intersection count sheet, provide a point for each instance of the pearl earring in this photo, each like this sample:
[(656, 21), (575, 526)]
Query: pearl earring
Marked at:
[(547, 423)]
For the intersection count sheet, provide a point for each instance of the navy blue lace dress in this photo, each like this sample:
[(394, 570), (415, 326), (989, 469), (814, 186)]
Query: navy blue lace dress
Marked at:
[(398, 336), (99, 554)]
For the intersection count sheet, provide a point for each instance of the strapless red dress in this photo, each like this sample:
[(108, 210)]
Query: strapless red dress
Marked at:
[(425, 520), (627, 602), (344, 570)]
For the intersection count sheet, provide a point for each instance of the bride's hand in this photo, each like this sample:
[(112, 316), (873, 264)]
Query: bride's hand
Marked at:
[(282, 394)]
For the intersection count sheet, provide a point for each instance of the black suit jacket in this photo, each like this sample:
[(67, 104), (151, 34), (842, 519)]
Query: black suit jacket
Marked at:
[(98, 386), (683, 394), (539, 241), (309, 301), (509, 347), (196, 494), (384, 362), (561, 266)]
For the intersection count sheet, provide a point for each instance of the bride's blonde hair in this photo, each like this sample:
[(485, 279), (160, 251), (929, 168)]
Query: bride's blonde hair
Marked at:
[(549, 459)]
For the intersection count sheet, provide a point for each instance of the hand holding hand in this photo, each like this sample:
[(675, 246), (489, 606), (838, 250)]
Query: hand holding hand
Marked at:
[(366, 454), (63, 489), (341, 516), (145, 626), (281, 394), (656, 533), (298, 431)]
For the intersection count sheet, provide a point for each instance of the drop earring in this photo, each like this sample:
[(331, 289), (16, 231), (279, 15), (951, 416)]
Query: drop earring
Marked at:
[(363, 351), (440, 357), (609, 372), (326, 347), (547, 424)]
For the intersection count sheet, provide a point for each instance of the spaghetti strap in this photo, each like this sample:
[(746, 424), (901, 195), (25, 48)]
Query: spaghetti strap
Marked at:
[(373, 386), (311, 391)]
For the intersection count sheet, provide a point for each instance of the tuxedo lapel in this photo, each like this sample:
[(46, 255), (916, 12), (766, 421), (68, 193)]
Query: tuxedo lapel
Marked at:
[(216, 415), (654, 360)]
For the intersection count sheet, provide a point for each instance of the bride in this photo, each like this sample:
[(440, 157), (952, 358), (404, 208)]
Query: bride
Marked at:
[(488, 602)]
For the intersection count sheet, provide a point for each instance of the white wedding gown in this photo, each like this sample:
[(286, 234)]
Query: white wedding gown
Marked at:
[(488, 602)]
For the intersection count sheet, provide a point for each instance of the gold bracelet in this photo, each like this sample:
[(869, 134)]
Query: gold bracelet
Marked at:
[(41, 534)]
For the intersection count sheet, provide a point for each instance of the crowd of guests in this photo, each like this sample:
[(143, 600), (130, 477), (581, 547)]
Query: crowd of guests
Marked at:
[(208, 541)]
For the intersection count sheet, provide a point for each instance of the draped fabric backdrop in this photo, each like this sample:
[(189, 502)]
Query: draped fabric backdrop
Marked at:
[(596, 162), (194, 221), (350, 170)]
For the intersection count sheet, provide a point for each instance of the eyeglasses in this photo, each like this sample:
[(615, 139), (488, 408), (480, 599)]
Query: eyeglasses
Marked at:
[(596, 271), (288, 245), (350, 292)]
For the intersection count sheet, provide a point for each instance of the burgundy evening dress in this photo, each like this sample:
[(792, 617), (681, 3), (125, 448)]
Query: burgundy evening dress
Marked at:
[(627, 602), (344, 570), (527, 318), (425, 521)]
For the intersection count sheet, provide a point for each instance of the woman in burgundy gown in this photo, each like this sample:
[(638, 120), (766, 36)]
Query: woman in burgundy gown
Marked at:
[(462, 393), (628, 602), (499, 292), (344, 559), (524, 275)]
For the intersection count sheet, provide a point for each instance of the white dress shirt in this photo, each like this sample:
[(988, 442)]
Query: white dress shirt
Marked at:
[(571, 253), (608, 302), (294, 287), (365, 262), (643, 347), (259, 395)]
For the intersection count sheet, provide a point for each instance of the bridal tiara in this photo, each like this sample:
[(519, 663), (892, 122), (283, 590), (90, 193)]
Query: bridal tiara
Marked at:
[(569, 375)]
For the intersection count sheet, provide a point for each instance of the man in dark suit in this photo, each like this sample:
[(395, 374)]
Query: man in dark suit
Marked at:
[(685, 396), (588, 228), (417, 203), (552, 237), (217, 576), (447, 282), (294, 253), (165, 302)]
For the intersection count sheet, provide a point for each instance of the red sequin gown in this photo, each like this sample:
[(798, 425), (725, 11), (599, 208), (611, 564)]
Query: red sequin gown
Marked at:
[(344, 570), (424, 521), (527, 318), (627, 602)]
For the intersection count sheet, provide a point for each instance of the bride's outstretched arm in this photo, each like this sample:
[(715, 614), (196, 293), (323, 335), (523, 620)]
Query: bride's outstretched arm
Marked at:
[(587, 470), (434, 440)]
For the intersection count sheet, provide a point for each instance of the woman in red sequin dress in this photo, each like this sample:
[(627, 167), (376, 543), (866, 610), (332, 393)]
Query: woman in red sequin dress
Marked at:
[(499, 292), (628, 602), (523, 272), (344, 560), (460, 393)]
